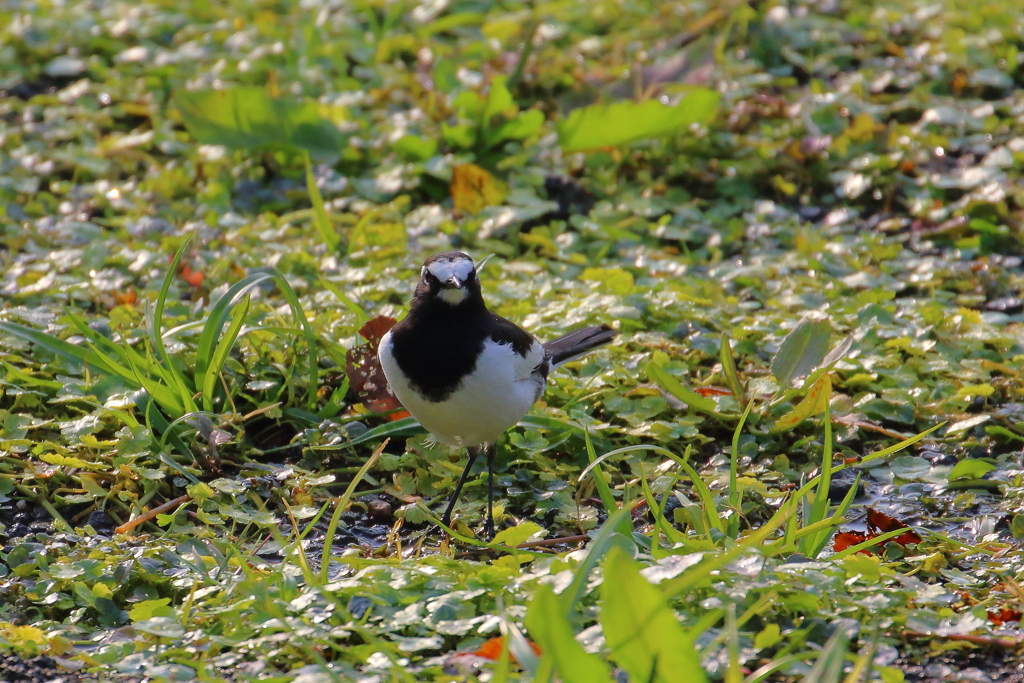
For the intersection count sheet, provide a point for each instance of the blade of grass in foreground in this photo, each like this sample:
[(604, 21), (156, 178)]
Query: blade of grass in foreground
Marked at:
[(332, 527), (307, 329), (321, 221), (219, 315), (220, 354), (735, 497), (172, 376)]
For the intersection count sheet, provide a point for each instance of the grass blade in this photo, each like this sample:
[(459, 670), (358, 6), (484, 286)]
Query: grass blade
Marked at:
[(307, 330), (595, 551), (735, 497), (339, 508), (732, 378), (177, 380), (219, 315), (603, 490), (354, 308), (220, 354), (321, 221), (670, 384)]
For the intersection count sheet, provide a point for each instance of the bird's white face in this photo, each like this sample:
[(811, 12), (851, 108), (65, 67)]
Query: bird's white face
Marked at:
[(452, 274)]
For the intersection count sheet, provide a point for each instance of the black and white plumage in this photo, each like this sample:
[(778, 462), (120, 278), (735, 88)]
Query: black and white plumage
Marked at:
[(465, 373)]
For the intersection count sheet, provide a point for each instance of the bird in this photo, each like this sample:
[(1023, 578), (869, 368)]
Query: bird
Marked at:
[(465, 373)]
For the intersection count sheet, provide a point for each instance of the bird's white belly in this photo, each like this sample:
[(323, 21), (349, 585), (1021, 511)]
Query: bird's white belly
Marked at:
[(487, 402)]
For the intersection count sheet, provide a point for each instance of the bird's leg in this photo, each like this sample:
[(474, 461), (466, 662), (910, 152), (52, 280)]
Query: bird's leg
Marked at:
[(446, 518), (489, 522)]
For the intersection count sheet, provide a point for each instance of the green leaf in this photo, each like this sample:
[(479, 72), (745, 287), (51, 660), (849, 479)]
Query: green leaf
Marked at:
[(970, 469), (248, 118), (609, 125), (802, 350), (147, 609), (910, 467), (550, 629), (162, 627), (522, 126), (641, 630), (513, 536), (415, 147), (670, 384)]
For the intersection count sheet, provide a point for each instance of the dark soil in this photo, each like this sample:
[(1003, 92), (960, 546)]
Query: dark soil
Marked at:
[(995, 665), (13, 669)]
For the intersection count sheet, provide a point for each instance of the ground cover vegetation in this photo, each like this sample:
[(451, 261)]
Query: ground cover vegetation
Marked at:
[(801, 460)]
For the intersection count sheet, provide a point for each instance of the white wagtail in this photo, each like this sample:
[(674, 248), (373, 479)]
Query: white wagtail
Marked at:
[(466, 373)]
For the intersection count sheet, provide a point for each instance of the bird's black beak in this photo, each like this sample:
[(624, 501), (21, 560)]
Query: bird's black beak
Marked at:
[(452, 283)]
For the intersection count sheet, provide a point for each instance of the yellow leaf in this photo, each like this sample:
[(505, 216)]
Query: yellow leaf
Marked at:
[(64, 460), (616, 280), (19, 635), (473, 188), (976, 390), (813, 404)]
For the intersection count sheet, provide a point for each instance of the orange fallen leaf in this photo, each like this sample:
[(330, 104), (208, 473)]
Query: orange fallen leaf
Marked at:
[(883, 523), (193, 277), (127, 298), (1001, 616), (493, 647), (847, 539), (877, 523), (713, 391)]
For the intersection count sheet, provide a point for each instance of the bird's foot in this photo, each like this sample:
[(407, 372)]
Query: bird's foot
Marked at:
[(489, 528)]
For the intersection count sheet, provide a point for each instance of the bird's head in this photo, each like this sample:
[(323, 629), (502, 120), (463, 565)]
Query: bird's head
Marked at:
[(449, 278)]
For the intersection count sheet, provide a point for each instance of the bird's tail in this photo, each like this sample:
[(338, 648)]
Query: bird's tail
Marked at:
[(577, 343)]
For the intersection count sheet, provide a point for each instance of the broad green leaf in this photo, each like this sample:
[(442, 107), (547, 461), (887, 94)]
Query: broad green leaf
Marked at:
[(641, 630), (147, 609), (802, 350), (249, 118), (910, 467), (970, 469), (814, 403), (670, 384), (162, 627), (609, 125), (550, 629), (416, 147), (522, 126), (513, 536)]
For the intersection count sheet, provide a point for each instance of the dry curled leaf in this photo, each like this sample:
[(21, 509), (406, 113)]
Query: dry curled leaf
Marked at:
[(365, 375), (877, 523)]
